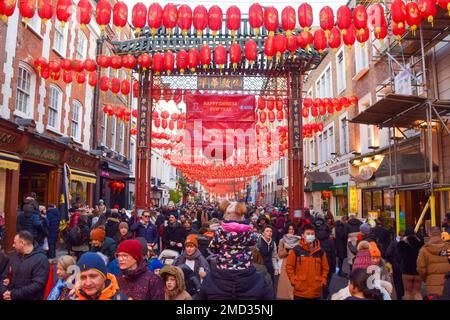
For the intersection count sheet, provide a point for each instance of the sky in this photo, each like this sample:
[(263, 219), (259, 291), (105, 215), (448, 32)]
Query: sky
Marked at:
[(245, 5)]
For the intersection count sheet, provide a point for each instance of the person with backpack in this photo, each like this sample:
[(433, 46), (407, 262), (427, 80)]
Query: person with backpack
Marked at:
[(79, 237), (327, 245), (29, 220)]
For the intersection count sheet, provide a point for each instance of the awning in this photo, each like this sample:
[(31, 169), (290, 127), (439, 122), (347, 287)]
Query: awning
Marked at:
[(9, 161), (317, 181), (339, 189), (82, 176)]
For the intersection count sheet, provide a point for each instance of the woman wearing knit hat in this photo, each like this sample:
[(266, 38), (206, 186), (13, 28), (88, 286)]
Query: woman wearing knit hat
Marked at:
[(378, 261), (123, 233), (136, 282), (363, 259), (174, 286)]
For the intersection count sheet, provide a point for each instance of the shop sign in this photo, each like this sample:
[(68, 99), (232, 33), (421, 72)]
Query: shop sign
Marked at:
[(368, 184), (40, 153), (337, 167), (6, 139), (366, 173), (82, 162), (353, 199), (220, 83)]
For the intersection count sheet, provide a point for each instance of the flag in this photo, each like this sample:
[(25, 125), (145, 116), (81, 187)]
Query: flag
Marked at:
[(64, 202)]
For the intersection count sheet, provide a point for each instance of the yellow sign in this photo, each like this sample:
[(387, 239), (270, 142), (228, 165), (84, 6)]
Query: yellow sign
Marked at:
[(10, 165), (353, 199)]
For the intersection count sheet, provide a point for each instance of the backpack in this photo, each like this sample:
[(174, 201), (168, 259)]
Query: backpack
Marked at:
[(75, 237), (191, 281)]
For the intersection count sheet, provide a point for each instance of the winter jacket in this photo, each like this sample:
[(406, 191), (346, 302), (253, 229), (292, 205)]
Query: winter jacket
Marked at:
[(53, 219), (307, 269), (111, 227), (108, 248), (200, 262), (60, 291), (327, 246), (179, 293), (269, 254), (352, 226), (111, 291), (246, 284), (118, 238), (340, 241), (408, 251), (262, 271), (4, 261), (149, 232), (382, 238), (432, 267), (29, 276), (140, 284), (74, 219), (29, 220), (175, 233), (42, 230)]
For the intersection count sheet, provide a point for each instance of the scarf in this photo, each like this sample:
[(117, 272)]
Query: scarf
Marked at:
[(194, 256), (290, 241), (56, 291)]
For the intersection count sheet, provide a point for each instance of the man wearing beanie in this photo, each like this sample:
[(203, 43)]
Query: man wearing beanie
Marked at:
[(95, 283), (136, 282), (103, 244)]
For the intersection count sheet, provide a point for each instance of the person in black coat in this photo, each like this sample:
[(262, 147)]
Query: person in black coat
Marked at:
[(340, 243), (382, 237), (327, 245), (53, 218), (408, 251), (174, 235), (29, 220), (352, 225), (393, 257), (112, 224), (28, 271)]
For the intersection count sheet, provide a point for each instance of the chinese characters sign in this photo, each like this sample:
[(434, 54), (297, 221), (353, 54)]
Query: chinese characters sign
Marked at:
[(220, 83)]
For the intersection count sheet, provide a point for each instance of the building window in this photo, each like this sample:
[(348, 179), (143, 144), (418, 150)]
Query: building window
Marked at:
[(113, 133), (331, 141), (104, 127), (312, 155), (59, 41), (122, 138), (340, 71), (76, 121), (319, 149), (81, 46), (54, 107), (23, 90), (35, 24), (344, 136), (324, 84), (132, 153), (325, 154), (361, 57)]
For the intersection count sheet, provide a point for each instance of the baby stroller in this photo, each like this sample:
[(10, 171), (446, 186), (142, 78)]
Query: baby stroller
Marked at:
[(168, 257)]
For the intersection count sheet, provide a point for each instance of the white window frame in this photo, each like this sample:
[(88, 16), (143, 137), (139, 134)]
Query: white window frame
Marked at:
[(361, 64), (132, 155), (113, 133), (28, 114), (312, 154), (324, 86), (81, 48), (61, 51), (344, 135), (319, 148), (58, 109), (104, 128), (367, 131), (76, 105), (341, 73), (122, 138), (330, 144), (325, 146), (34, 24)]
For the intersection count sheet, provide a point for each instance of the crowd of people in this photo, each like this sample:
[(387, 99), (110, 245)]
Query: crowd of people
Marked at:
[(226, 250)]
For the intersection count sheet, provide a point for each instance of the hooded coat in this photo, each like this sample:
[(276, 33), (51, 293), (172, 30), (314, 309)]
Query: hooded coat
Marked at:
[(111, 291), (29, 220), (111, 227), (200, 261), (340, 241), (432, 267), (140, 284), (180, 292), (408, 251)]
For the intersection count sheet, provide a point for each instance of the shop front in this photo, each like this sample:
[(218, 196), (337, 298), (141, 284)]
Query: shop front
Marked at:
[(315, 183), (113, 186), (340, 198)]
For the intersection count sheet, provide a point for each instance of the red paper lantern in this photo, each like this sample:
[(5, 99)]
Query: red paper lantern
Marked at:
[(167, 94), (120, 112), (360, 17), (155, 115), (256, 17), (77, 65), (280, 43), (169, 62), (170, 17), (125, 87), (81, 78), (261, 103), (184, 19), (171, 125), (116, 62), (45, 10), (215, 17), (134, 113), (157, 123), (177, 98), (63, 11), (233, 21), (353, 100), (205, 56), (193, 59), (305, 112), (93, 79), (344, 18), (317, 102), (136, 89), (326, 19), (164, 124), (251, 51), (427, 9), (307, 102), (145, 61), (334, 40), (288, 20), (291, 43), (27, 9), (90, 65), (376, 13), (200, 19), (305, 39), (54, 66), (314, 112), (220, 56), (235, 54), (262, 117), (115, 85), (344, 102), (413, 17), (45, 72), (129, 61), (139, 16), (165, 115), (269, 47), (156, 93), (120, 15), (182, 61), (271, 116), (271, 103), (398, 30), (104, 83), (445, 4), (155, 17), (305, 16), (381, 32), (398, 12), (103, 13), (158, 63), (126, 115), (271, 21), (84, 12), (349, 37), (41, 62), (320, 40), (133, 131), (67, 77), (363, 35), (104, 61), (7, 8)]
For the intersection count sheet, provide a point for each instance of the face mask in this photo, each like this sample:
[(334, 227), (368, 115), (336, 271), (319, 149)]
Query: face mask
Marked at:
[(310, 238)]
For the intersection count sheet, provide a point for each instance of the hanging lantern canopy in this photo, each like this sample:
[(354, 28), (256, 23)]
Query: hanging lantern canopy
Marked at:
[(145, 61), (344, 18), (251, 51), (184, 19), (7, 8), (220, 56), (193, 59), (125, 87), (169, 62), (120, 15), (413, 17), (116, 62), (326, 19), (200, 19), (215, 17), (158, 63), (360, 17), (334, 40), (89, 65), (233, 21), (349, 37), (170, 17), (155, 17), (288, 20), (182, 61), (104, 83), (205, 56), (427, 9), (256, 17), (27, 9), (398, 12), (271, 21), (320, 40), (235, 54), (398, 31), (305, 39), (139, 16), (93, 79), (104, 61), (305, 16), (269, 48), (63, 11), (280, 43), (103, 14)]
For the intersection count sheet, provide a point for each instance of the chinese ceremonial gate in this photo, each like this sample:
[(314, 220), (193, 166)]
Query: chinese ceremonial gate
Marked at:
[(278, 76)]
